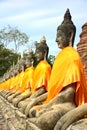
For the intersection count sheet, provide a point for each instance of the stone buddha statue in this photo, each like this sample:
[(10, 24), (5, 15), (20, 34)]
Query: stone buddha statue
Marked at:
[(41, 75), (15, 91), (27, 80), (67, 86), (64, 38)]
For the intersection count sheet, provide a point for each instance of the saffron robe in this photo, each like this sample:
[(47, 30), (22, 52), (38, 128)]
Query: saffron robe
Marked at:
[(41, 76), (5, 85), (68, 69), (27, 79), (18, 81)]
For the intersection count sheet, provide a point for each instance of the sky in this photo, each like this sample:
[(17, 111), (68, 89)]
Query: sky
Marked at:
[(42, 17)]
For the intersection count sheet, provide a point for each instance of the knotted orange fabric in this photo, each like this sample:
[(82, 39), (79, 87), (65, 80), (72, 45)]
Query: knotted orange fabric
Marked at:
[(68, 69), (41, 75), (27, 79)]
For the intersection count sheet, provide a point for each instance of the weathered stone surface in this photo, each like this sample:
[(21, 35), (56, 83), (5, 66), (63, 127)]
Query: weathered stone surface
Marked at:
[(8, 112), (79, 125), (82, 47), (15, 120), (70, 117), (19, 98), (31, 126), (2, 122)]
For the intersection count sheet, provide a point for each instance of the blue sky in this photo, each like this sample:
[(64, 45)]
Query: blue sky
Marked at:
[(42, 17)]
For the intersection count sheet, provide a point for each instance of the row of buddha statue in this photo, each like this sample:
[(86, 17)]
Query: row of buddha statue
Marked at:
[(46, 93)]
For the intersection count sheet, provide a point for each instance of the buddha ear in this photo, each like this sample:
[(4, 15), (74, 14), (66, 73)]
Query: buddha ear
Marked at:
[(71, 41)]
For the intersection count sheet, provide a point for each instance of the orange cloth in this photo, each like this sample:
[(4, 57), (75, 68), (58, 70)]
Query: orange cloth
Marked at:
[(18, 81), (41, 75), (2, 85), (12, 83), (9, 81), (27, 79), (26, 92), (5, 85), (68, 69)]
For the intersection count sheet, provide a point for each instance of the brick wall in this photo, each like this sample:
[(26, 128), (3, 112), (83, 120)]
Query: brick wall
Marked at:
[(82, 47)]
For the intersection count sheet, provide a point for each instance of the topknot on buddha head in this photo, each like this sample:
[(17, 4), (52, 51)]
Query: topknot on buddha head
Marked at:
[(43, 39), (67, 15), (68, 28)]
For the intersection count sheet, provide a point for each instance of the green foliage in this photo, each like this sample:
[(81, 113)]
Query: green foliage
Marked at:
[(13, 35), (50, 59), (7, 58)]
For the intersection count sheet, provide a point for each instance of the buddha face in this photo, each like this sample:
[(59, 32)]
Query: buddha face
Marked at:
[(61, 39), (29, 62), (39, 54)]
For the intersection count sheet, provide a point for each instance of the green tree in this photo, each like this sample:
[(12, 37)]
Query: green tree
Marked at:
[(50, 59), (13, 35), (7, 58)]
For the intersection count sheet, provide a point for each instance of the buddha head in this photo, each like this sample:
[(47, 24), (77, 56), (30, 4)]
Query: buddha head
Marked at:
[(30, 59), (66, 32), (16, 69), (42, 50), (20, 66)]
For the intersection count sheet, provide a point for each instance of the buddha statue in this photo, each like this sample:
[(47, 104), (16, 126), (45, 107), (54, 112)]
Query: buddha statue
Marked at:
[(27, 80), (17, 81), (67, 86), (41, 76)]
